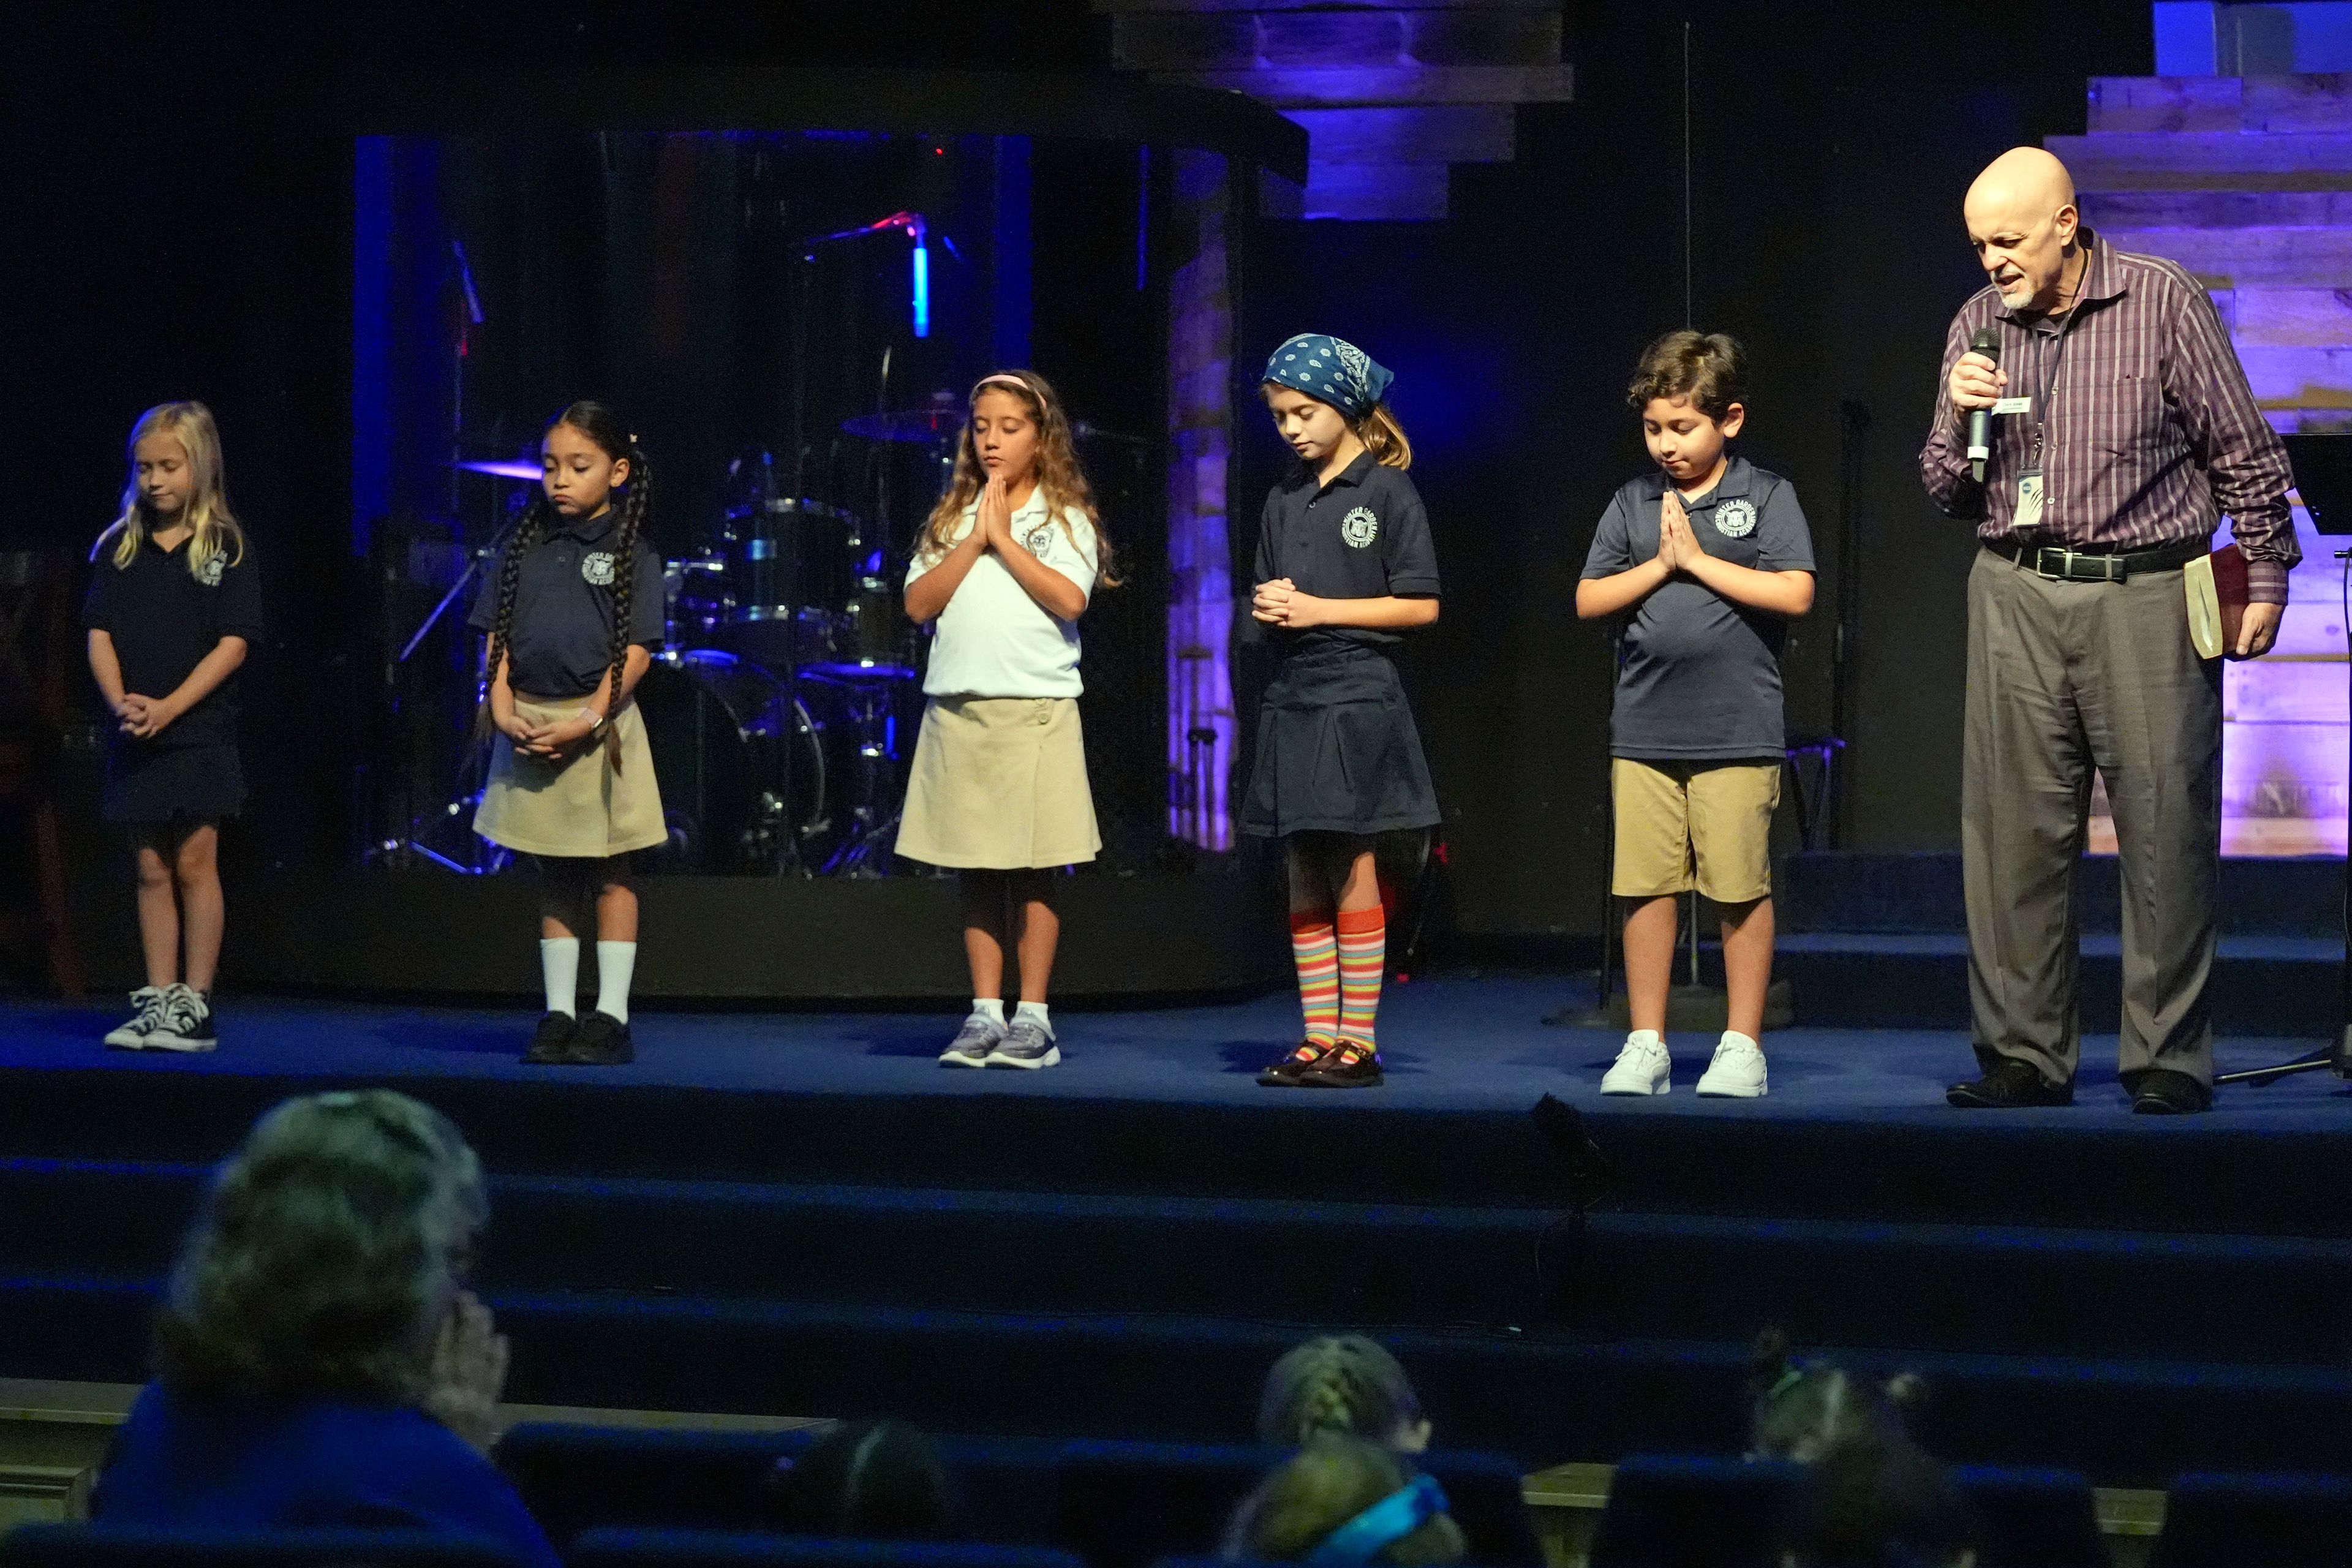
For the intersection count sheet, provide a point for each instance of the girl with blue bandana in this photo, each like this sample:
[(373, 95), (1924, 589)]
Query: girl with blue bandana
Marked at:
[(1344, 568)]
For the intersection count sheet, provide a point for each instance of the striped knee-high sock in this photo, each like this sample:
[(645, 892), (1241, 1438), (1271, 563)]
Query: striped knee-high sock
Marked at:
[(1363, 954), (1315, 947)]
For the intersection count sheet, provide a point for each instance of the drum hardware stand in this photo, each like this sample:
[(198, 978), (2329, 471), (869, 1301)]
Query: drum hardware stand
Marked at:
[(874, 818)]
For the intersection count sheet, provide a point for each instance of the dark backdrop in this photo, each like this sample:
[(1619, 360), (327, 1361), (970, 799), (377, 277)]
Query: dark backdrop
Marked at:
[(177, 228)]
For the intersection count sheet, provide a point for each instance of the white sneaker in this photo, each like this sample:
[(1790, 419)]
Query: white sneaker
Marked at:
[(1738, 1070), (131, 1034), (1641, 1067)]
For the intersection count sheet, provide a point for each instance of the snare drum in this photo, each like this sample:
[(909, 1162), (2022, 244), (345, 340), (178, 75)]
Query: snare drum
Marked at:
[(694, 593), (786, 558)]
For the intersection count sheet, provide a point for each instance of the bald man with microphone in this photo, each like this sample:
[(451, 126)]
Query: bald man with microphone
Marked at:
[(2119, 429)]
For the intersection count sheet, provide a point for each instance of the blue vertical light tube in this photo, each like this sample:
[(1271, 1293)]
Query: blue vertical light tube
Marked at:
[(922, 286)]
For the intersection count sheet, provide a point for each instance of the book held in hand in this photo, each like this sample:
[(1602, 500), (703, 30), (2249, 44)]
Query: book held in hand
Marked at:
[(2215, 585)]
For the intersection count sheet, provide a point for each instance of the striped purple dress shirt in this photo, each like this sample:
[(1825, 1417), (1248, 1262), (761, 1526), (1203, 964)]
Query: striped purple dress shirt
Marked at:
[(2152, 430)]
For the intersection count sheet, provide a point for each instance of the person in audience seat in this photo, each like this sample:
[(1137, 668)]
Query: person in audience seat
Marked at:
[(1342, 1383), (1874, 1502), (1342, 1500), (872, 1479), (320, 1362)]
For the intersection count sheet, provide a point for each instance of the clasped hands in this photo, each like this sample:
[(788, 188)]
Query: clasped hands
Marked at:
[(1280, 604), (145, 717), (1677, 546), (996, 515), (550, 741)]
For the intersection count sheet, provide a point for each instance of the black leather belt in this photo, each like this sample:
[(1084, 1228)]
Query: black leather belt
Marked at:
[(2058, 563)]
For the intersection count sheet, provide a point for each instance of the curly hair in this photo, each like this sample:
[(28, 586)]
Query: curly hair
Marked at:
[(1061, 479), (1342, 1383), (601, 424), (1321, 1488), (216, 535), (1802, 1409), (326, 1254)]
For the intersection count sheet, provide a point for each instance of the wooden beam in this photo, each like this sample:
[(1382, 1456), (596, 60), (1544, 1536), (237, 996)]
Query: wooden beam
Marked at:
[(1289, 89), (2218, 209), (2238, 257), (2206, 161), (2165, 102), (2286, 318), (1324, 40), (1439, 133)]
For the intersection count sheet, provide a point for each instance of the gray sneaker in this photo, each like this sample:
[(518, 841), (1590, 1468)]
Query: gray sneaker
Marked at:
[(1027, 1044), (972, 1043), (131, 1034)]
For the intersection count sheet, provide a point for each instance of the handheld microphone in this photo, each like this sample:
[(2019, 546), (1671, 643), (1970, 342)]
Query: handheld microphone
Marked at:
[(1986, 343)]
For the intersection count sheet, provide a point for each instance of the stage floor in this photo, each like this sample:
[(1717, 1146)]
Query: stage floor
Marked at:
[(1470, 1043)]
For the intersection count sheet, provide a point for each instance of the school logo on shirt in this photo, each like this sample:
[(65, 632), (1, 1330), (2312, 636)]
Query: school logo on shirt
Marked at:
[(1735, 518), (1360, 527), (212, 571), (597, 566), (1041, 539)]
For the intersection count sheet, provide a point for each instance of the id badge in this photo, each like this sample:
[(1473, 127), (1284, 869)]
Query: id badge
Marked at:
[(2028, 500)]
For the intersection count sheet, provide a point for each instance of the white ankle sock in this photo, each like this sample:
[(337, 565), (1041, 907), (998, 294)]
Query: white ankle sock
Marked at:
[(1645, 1037), (615, 963), (558, 965), (1034, 1010), (990, 1007), (1732, 1035)]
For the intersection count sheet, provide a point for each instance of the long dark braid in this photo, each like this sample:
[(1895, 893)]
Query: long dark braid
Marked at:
[(528, 533), (634, 503)]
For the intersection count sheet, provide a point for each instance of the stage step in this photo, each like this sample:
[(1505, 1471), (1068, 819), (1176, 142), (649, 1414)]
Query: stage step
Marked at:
[(2206, 161), (2317, 102), (1859, 891), (1184, 1378), (1309, 1261)]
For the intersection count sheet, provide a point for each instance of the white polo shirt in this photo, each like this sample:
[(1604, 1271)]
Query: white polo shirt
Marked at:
[(993, 640)]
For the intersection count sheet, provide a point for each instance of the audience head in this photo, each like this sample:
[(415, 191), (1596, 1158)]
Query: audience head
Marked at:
[(1341, 1501), (1344, 1384), (877, 1479), (1874, 1502), (1802, 1409), (327, 1254)]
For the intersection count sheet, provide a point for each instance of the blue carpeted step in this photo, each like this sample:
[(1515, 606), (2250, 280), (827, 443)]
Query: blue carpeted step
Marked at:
[(2029, 1290), (1184, 1378)]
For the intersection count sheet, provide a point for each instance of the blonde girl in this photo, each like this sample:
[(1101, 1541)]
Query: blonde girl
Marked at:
[(998, 789), (174, 606)]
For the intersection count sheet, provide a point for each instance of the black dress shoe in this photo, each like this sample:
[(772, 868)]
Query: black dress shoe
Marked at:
[(2161, 1091), (602, 1042), (1349, 1064), (2010, 1086), (1283, 1074), (550, 1046)]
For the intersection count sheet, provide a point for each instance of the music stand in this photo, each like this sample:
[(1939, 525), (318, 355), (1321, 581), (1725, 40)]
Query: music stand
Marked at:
[(2322, 477)]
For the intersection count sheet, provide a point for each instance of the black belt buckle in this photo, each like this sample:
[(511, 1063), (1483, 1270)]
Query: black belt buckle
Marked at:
[(2069, 564), (2044, 555)]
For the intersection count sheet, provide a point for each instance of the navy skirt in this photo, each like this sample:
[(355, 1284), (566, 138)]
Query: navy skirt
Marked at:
[(1337, 749), (146, 783)]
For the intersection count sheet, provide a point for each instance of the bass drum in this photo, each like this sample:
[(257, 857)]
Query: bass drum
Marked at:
[(741, 762)]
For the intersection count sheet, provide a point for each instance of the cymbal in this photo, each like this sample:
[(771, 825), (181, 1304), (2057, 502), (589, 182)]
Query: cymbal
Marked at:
[(509, 471), (907, 423)]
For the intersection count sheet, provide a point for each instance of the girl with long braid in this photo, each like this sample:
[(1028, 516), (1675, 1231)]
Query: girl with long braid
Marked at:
[(573, 611)]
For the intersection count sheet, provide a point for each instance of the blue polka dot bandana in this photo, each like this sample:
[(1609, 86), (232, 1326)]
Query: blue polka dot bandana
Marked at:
[(1330, 368)]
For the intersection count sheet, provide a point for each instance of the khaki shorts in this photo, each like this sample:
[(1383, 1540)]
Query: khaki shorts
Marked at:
[(1685, 825), (999, 782)]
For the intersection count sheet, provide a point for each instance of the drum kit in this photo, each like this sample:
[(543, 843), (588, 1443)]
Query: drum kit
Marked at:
[(778, 708)]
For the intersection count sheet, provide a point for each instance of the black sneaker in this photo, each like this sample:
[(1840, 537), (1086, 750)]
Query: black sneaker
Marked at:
[(603, 1041), (186, 1024), (2008, 1086), (131, 1034), (550, 1043), (1349, 1064), (1283, 1074), (2161, 1091)]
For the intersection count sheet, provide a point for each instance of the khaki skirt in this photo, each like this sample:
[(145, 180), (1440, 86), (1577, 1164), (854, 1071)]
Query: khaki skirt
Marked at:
[(1000, 784), (579, 807)]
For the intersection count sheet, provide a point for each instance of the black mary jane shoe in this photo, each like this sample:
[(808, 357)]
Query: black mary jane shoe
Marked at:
[(1349, 1064), (602, 1042), (2161, 1091), (1283, 1074), (550, 1045), (2008, 1086)]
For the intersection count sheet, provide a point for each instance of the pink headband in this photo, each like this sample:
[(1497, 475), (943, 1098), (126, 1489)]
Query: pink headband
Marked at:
[(1002, 378)]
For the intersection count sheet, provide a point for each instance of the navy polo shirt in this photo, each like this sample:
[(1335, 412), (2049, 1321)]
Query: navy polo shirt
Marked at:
[(1365, 535), (164, 620), (563, 634), (1699, 676)]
